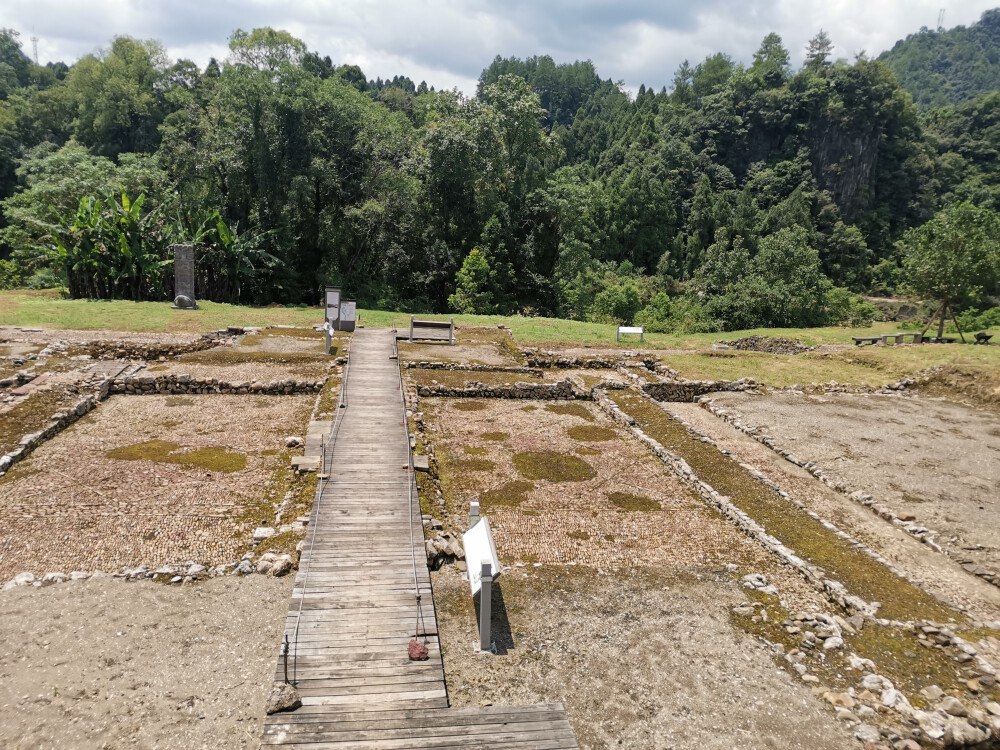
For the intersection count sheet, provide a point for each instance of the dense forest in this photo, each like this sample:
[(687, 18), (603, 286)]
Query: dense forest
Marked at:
[(745, 195), (951, 66)]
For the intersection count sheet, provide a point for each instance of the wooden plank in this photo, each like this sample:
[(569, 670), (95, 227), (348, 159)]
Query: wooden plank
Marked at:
[(354, 606)]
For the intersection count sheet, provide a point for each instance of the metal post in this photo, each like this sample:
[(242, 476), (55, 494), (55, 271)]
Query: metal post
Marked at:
[(473, 513), (451, 333), (485, 600), (411, 329)]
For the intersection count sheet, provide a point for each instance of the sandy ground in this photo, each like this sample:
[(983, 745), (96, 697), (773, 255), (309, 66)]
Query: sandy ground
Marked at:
[(110, 664), (935, 459), (641, 659), (70, 506)]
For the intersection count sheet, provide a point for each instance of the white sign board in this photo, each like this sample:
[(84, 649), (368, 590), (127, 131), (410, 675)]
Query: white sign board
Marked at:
[(348, 311), (630, 329), (479, 547), (333, 304)]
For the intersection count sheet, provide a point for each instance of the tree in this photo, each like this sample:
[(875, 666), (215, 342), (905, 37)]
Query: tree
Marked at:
[(120, 105), (771, 61), (818, 51), (953, 257), (474, 286)]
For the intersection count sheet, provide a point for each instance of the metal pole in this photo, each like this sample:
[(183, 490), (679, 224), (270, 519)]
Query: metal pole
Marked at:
[(411, 329), (485, 600), (451, 333)]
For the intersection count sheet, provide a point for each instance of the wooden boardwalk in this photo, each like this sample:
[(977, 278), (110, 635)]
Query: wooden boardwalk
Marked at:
[(354, 605)]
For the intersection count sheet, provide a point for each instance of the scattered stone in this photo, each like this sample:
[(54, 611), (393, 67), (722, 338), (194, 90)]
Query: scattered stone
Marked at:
[(867, 733), (262, 532), (833, 642), (21, 579), (50, 578), (293, 442), (244, 568), (932, 692), (282, 566), (283, 697), (953, 706), (840, 700)]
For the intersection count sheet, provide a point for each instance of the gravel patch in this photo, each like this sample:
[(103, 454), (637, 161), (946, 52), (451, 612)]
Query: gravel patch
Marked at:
[(109, 664), (72, 507)]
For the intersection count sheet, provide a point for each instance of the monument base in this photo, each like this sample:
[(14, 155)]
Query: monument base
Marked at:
[(191, 307)]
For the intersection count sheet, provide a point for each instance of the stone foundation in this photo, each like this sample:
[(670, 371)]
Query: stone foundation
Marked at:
[(562, 390), (146, 384)]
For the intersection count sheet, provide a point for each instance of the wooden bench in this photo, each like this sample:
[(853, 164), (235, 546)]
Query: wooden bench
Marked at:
[(429, 330), (626, 330), (983, 338)]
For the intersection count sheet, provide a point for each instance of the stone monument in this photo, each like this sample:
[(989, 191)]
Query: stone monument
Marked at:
[(184, 298)]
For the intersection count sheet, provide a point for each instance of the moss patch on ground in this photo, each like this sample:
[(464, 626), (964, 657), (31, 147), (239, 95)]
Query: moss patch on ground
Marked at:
[(898, 654), (494, 437), (469, 405), (591, 433), (473, 464), (805, 536), (628, 501), (165, 452), (555, 467), (573, 409), (510, 494), (475, 451), (31, 415)]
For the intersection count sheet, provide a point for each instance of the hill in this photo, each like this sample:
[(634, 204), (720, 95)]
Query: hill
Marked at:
[(949, 67)]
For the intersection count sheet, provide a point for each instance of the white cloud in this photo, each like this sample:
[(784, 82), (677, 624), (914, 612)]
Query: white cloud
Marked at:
[(448, 42)]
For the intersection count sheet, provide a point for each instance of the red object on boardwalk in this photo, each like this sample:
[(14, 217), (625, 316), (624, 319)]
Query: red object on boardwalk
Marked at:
[(418, 651)]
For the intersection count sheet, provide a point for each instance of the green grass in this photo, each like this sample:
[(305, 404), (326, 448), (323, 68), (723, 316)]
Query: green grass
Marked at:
[(871, 365)]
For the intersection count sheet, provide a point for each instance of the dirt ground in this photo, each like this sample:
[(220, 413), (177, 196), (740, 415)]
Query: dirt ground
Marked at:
[(110, 664), (628, 510), (643, 658), (76, 504), (932, 458)]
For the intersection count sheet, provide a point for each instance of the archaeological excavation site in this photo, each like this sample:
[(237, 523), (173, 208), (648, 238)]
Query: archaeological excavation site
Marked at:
[(430, 535)]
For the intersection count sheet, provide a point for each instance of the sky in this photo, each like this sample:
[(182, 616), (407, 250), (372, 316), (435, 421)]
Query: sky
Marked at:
[(448, 42)]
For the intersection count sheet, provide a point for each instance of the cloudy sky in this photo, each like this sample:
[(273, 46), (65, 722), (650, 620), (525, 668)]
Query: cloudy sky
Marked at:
[(448, 42)]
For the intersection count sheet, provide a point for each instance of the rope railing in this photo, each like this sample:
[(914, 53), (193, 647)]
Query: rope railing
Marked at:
[(328, 445), (410, 481)]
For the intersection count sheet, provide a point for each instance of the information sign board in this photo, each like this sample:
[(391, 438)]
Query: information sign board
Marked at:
[(479, 547), (332, 304)]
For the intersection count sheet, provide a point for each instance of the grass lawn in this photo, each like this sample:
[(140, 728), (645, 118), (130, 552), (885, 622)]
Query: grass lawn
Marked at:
[(691, 354)]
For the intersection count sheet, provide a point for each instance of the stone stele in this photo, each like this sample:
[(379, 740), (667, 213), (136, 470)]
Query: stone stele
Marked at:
[(184, 298)]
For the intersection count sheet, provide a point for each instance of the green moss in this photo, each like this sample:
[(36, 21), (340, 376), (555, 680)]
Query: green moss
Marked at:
[(474, 451), (585, 451), (628, 501), (591, 433), (473, 464), (580, 535), (510, 494), (280, 544), (469, 405), (30, 415), (573, 409), (169, 423), (529, 407), (494, 437), (555, 467), (163, 451), (897, 654), (426, 494), (806, 537)]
